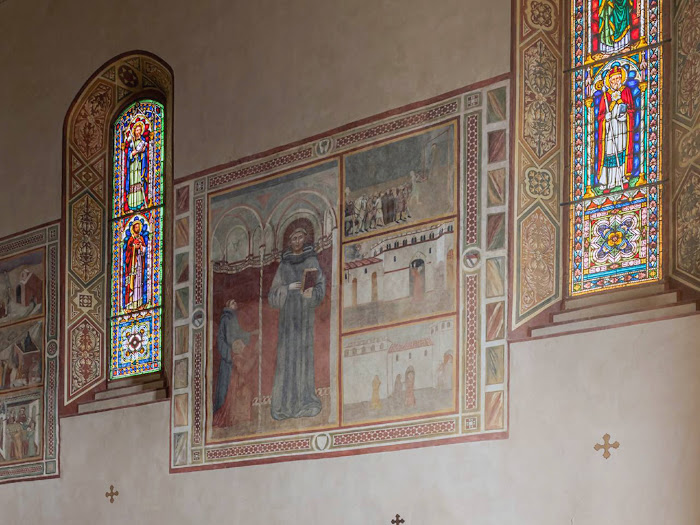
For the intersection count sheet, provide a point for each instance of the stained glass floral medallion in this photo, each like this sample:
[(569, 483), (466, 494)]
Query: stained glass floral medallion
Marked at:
[(136, 344)]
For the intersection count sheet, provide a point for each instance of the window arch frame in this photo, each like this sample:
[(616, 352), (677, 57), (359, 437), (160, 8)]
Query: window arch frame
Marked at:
[(86, 218)]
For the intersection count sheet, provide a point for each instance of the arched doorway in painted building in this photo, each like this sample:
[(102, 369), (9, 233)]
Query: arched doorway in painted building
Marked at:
[(416, 279)]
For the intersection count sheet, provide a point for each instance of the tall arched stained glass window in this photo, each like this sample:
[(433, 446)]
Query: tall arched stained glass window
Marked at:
[(616, 81), (137, 240)]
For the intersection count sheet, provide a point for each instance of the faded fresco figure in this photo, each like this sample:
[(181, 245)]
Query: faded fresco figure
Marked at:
[(444, 373), (379, 214), (17, 436), (391, 207), (228, 342), (238, 403), (410, 394), (294, 389), (31, 448), (413, 192), (376, 402), (349, 213), (6, 294), (11, 367), (20, 434), (434, 162), (360, 212), (397, 396)]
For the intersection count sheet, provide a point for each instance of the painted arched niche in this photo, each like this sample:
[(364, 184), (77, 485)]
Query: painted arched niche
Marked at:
[(87, 162)]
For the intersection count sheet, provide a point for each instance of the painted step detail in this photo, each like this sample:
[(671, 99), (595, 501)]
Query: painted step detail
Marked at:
[(618, 307), (610, 320), (136, 380), (122, 401), (602, 298), (127, 390)]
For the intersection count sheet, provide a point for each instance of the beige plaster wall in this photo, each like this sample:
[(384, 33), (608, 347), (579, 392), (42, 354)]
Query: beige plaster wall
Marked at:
[(256, 74), (249, 75), (637, 383)]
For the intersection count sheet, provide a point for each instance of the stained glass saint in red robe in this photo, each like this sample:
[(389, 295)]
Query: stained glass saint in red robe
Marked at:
[(135, 282), (615, 131)]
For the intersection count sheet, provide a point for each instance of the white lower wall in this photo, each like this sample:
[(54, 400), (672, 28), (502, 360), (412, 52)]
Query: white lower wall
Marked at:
[(638, 383)]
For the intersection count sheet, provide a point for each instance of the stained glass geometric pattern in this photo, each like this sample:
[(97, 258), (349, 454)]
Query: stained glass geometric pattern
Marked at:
[(136, 261), (139, 140), (137, 240), (616, 148), (136, 344)]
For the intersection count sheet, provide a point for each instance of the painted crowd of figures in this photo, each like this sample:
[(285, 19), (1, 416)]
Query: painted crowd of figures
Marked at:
[(14, 373), (378, 209), (403, 394), (20, 434)]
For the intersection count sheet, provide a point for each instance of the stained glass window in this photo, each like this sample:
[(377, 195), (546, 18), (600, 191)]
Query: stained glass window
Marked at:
[(616, 81), (137, 240)]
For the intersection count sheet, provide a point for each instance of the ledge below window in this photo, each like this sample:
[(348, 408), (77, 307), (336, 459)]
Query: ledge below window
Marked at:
[(122, 393)]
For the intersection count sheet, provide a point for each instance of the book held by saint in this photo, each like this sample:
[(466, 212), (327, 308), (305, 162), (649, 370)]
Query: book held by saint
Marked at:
[(308, 280)]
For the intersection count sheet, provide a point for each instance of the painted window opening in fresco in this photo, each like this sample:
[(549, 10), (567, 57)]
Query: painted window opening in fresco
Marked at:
[(616, 82), (137, 240)]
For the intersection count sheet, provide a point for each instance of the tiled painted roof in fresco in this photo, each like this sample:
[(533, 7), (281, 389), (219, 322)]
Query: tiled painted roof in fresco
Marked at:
[(410, 345)]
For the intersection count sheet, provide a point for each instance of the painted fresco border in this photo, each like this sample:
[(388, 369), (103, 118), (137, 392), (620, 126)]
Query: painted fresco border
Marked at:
[(684, 196), (537, 53), (47, 237), (483, 418)]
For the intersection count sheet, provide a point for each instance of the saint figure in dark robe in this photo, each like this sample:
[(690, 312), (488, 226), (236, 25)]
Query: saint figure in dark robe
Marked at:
[(228, 340), (298, 288)]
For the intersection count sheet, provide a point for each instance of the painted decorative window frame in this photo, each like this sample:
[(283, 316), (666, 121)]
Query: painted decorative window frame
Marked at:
[(87, 177)]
